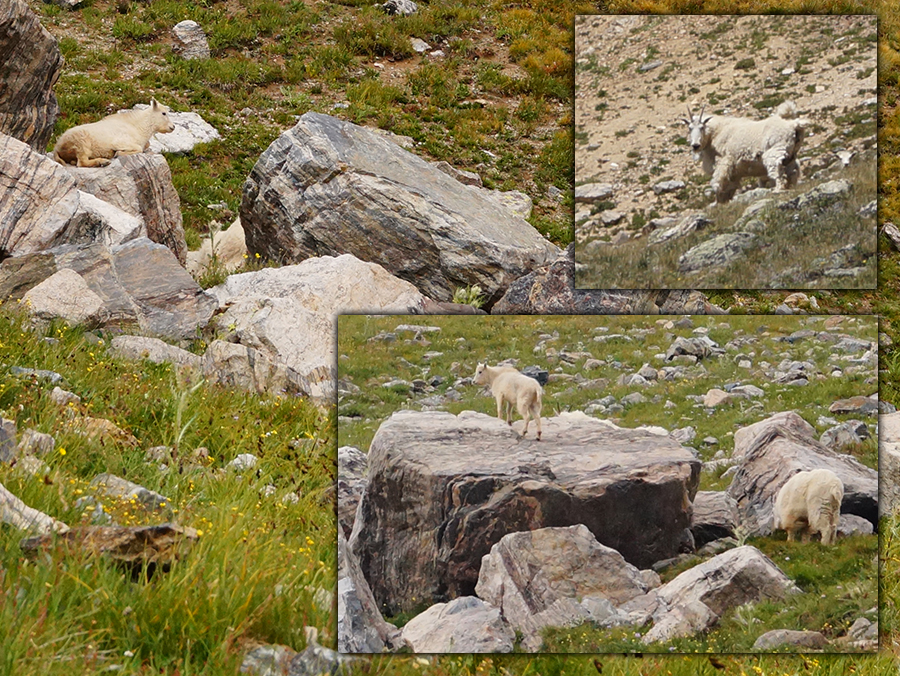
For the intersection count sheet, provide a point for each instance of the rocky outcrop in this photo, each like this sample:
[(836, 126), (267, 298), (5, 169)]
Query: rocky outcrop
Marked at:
[(328, 187), (41, 206), (549, 289), (140, 185), (353, 469), (443, 489), (139, 283), (539, 578), (464, 625), (152, 349), (30, 64), (771, 451), (286, 314)]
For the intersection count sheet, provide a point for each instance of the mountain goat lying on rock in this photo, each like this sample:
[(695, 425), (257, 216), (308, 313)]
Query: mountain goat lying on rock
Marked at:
[(510, 386), (810, 502), (733, 148), (95, 144)]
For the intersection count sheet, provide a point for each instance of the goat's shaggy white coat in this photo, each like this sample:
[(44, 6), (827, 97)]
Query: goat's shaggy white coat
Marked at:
[(810, 502), (732, 148), (511, 387), (128, 133)]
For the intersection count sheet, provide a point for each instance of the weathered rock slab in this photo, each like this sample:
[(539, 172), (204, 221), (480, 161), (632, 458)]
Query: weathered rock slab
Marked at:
[(444, 489), (889, 461), (16, 513), (67, 296), (537, 578), (329, 187), (152, 349), (140, 185), (464, 625), (738, 576)]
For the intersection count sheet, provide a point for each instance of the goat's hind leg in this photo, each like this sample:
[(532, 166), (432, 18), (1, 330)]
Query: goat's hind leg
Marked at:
[(774, 162)]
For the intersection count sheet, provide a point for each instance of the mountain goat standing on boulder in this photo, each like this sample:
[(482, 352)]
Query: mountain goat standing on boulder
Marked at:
[(97, 143), (810, 502), (510, 386), (733, 148)]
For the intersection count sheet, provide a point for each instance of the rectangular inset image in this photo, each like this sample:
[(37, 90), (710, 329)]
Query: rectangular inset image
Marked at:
[(591, 484), (725, 152)]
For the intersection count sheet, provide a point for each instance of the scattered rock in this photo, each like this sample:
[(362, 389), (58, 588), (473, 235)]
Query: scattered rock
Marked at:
[(683, 620), (892, 232), (242, 462), (716, 397), (190, 40), (855, 405), (593, 192), (140, 185), (464, 625), (719, 250), (153, 349), (32, 443), (102, 431), (62, 397), (19, 515), (401, 7), (133, 548), (664, 187), (116, 487), (686, 226), (811, 640)]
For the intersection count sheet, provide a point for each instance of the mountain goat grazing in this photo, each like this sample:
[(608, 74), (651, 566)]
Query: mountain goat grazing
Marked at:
[(733, 148), (810, 502), (511, 387), (97, 143)]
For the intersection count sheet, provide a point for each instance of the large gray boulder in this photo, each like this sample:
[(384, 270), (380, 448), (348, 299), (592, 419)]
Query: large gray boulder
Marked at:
[(550, 289), (328, 187), (41, 206), (287, 314), (538, 578), (464, 625), (140, 283), (771, 451), (140, 185), (353, 470), (443, 489), (30, 64)]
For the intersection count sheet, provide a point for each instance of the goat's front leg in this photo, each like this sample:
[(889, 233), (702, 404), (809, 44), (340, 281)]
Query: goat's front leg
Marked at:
[(773, 160), (723, 185)]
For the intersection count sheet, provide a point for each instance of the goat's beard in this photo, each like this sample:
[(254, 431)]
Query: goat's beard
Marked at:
[(695, 155)]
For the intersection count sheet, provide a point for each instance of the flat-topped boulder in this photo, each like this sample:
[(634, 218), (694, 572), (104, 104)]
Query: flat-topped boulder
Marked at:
[(329, 187), (443, 489), (771, 451)]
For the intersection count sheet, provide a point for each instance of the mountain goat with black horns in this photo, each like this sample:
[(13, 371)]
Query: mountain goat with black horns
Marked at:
[(733, 148)]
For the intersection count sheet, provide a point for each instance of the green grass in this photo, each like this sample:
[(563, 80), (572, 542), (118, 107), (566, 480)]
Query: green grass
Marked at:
[(257, 564)]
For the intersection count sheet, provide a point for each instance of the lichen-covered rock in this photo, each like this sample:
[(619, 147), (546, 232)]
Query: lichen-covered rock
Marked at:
[(443, 489), (329, 187), (30, 64)]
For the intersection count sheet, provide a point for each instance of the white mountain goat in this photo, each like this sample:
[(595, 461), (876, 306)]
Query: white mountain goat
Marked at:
[(810, 502), (511, 387), (95, 144), (733, 148)]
